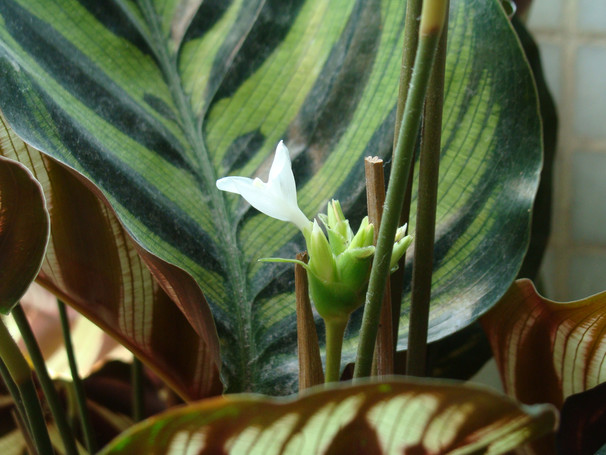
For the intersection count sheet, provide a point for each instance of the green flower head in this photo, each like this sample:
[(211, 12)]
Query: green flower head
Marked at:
[(339, 261)]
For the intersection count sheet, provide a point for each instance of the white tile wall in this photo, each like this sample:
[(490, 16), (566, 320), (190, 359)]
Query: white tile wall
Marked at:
[(591, 15), (589, 104), (572, 37)]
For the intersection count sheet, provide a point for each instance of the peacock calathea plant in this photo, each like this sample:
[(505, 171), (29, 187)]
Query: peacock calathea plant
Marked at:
[(139, 107)]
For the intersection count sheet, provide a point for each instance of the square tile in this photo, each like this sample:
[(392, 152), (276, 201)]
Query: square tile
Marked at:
[(551, 60), (592, 15), (545, 14), (588, 210), (587, 275), (590, 92)]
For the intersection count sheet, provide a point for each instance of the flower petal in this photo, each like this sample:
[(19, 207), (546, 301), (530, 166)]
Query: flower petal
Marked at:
[(276, 198), (259, 197), (281, 179), (234, 184)]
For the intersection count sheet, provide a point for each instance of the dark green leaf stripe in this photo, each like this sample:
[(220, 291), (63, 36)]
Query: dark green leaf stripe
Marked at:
[(153, 100)]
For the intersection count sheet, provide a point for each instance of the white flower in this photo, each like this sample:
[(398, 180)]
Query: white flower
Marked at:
[(276, 198)]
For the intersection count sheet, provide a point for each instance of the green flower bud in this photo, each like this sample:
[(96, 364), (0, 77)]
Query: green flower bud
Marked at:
[(337, 242), (365, 235), (400, 246), (339, 267), (337, 221), (335, 300), (353, 266), (321, 259)]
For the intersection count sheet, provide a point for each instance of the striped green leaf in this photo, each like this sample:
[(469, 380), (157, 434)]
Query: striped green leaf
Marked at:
[(24, 227), (391, 418), (152, 101), (92, 264)]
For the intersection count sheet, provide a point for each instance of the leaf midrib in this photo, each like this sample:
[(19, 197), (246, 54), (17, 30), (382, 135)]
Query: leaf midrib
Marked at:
[(205, 173)]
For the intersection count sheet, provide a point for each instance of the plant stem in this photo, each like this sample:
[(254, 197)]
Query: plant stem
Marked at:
[(12, 389), (429, 35), (19, 420), (89, 437), (21, 374), (308, 349), (335, 329), (409, 51), (426, 216), (54, 403), (375, 198), (138, 392)]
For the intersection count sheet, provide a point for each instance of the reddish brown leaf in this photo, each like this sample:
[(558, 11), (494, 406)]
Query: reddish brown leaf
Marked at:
[(24, 229), (94, 265), (583, 422), (546, 351)]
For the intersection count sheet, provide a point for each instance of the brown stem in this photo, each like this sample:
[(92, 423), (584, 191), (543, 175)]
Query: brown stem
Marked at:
[(310, 363), (426, 216), (375, 198)]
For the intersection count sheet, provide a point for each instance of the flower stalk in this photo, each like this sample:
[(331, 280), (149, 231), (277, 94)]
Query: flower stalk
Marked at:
[(335, 329)]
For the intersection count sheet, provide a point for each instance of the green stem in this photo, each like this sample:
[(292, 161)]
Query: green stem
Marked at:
[(429, 167), (87, 430), (429, 35), (137, 385), (409, 52), (15, 394), (54, 403), (21, 374), (335, 329), (13, 390)]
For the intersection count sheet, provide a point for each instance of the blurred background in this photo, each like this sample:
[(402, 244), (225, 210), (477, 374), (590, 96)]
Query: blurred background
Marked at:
[(571, 35)]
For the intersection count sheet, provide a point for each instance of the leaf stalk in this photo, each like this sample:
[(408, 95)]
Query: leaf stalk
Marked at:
[(87, 429), (22, 377), (429, 167), (50, 393), (138, 391)]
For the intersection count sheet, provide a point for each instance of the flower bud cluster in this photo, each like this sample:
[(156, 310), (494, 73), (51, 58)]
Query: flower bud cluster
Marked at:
[(339, 265)]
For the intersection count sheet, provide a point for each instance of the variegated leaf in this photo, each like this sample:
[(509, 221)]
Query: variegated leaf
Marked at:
[(152, 101), (391, 418)]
